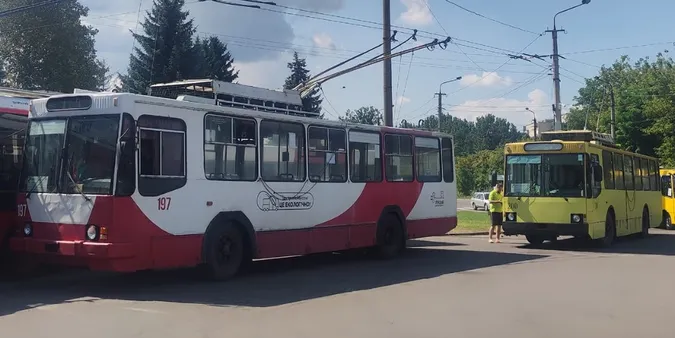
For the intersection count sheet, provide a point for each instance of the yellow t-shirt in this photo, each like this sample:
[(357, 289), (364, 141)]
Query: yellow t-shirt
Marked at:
[(495, 196)]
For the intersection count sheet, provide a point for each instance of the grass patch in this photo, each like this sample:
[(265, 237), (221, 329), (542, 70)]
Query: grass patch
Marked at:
[(471, 221)]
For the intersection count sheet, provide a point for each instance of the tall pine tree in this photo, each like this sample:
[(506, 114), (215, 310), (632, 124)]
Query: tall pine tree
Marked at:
[(164, 51), (49, 48), (299, 75), (213, 60)]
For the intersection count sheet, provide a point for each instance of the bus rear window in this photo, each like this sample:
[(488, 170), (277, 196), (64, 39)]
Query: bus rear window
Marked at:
[(69, 103)]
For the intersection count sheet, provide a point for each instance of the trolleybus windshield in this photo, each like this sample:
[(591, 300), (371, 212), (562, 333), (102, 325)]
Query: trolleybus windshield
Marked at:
[(549, 175)]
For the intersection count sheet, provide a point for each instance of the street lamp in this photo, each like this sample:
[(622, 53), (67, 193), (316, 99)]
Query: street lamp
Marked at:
[(440, 99), (556, 64), (534, 116)]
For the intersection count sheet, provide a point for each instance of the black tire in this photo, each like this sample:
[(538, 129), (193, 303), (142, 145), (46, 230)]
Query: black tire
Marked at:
[(610, 231), (224, 253), (534, 239), (485, 207), (667, 221), (645, 223), (390, 237), (473, 205)]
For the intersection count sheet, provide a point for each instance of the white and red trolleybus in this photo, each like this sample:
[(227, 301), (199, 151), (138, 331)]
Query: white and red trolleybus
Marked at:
[(13, 121), (127, 182)]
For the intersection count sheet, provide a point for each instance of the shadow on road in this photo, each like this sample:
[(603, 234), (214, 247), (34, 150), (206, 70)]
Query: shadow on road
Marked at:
[(269, 283), (659, 242)]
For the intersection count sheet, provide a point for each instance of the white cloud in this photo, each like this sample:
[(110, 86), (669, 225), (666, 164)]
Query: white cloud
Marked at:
[(488, 79), (252, 35), (401, 100), (512, 110), (417, 12), (323, 40), (267, 73)]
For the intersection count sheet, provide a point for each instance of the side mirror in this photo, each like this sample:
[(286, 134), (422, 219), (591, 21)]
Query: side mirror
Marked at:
[(597, 172)]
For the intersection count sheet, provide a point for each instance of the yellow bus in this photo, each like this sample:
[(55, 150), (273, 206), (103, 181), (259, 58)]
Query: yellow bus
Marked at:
[(578, 183), (668, 199)]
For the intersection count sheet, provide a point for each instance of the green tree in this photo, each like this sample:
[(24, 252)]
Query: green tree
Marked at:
[(300, 75), (164, 51), (49, 48), (364, 115), (473, 171), (644, 105), (213, 60)]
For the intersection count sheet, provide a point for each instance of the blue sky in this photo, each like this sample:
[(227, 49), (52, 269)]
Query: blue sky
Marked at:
[(261, 43)]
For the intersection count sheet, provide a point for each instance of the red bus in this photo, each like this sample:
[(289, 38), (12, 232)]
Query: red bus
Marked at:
[(108, 182), (13, 121)]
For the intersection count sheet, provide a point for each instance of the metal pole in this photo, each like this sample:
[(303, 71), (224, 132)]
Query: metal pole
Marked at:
[(386, 36), (440, 108), (612, 121), (556, 80)]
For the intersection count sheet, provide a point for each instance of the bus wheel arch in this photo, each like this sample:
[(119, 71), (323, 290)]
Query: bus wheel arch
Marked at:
[(391, 233), (237, 228)]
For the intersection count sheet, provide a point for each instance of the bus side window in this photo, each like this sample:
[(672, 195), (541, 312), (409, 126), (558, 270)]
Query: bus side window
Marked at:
[(628, 176), (608, 168), (230, 148), (637, 164), (283, 151), (618, 172), (596, 188), (399, 158), (162, 155), (428, 159), (646, 175), (364, 157), (448, 162), (327, 154), (654, 175)]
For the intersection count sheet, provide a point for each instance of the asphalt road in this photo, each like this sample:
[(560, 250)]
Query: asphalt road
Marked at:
[(441, 287)]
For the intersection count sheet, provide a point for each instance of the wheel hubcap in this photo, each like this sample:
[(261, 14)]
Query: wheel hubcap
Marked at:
[(225, 249)]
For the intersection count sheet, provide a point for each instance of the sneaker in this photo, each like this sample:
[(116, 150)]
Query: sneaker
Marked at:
[(491, 241)]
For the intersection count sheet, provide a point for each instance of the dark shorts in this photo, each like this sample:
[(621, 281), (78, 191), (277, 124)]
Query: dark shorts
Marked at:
[(496, 218)]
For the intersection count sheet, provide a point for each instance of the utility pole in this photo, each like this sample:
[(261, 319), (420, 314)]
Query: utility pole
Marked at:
[(556, 78), (556, 65), (612, 119), (440, 99), (440, 108), (386, 36)]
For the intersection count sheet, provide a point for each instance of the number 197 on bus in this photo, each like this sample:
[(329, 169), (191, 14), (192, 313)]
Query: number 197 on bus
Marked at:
[(163, 203)]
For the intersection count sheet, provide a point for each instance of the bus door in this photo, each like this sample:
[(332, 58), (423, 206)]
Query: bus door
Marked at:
[(667, 192)]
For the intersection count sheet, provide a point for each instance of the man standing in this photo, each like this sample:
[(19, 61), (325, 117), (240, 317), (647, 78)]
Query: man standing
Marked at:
[(495, 199)]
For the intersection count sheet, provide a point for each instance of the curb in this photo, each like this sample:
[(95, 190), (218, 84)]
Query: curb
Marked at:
[(475, 233)]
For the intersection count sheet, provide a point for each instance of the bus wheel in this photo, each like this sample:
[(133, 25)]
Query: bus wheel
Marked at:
[(610, 231), (645, 223), (390, 237), (224, 251), (534, 239), (667, 222)]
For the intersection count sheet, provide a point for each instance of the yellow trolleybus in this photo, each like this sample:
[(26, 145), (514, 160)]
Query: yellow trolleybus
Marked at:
[(578, 183), (668, 198)]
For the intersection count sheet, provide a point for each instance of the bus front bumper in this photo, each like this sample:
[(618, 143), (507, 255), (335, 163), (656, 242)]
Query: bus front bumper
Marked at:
[(545, 229), (81, 249)]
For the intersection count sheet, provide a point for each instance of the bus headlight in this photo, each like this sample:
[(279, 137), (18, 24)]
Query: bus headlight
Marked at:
[(511, 216), (27, 230), (92, 232), (576, 218)]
